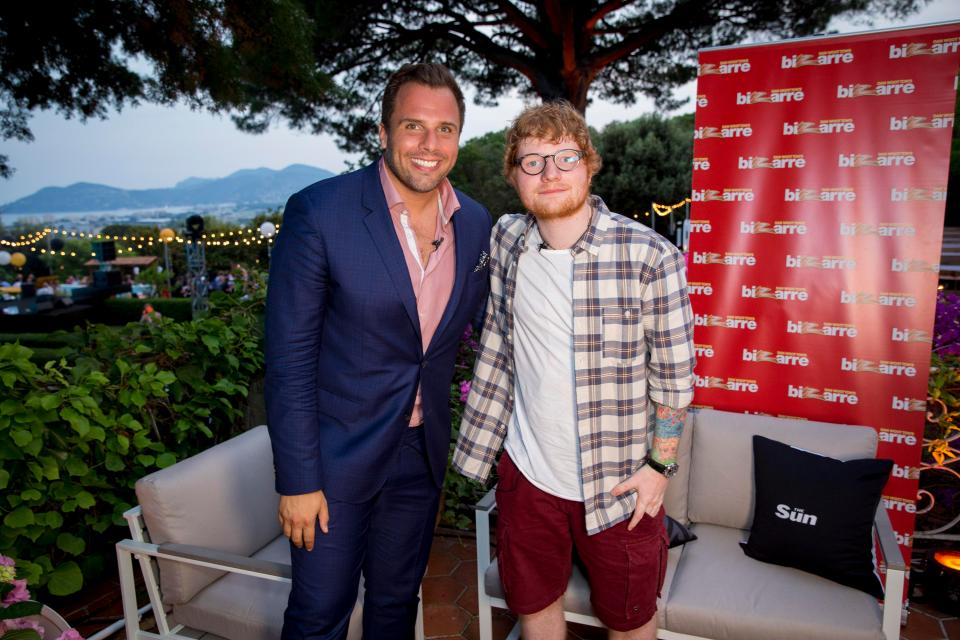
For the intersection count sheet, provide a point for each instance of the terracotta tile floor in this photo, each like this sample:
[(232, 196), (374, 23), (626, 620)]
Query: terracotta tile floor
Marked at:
[(450, 603)]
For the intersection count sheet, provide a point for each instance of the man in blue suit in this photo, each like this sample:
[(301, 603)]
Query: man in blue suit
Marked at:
[(374, 277)]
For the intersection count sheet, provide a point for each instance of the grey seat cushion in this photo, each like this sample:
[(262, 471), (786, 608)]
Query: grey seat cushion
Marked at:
[(242, 607), (718, 592), (577, 597)]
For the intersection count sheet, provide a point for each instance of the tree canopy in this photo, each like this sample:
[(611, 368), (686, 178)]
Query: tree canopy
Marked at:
[(321, 64)]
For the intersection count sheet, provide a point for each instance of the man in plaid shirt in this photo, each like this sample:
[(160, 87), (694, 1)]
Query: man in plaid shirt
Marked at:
[(586, 349)]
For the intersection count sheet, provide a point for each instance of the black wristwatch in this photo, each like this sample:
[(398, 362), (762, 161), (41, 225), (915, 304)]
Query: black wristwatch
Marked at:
[(666, 470)]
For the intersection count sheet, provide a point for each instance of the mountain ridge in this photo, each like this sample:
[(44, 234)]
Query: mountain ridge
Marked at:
[(260, 186)]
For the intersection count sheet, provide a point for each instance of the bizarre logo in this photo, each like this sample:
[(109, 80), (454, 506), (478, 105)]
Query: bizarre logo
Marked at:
[(831, 329), (899, 504), (798, 294), (777, 228), (724, 67), (728, 195), (913, 266), (703, 350), (823, 127), (748, 323), (727, 259), (700, 288), (772, 96), (885, 299), (908, 404), (700, 226), (836, 396), (884, 367), (827, 194), (787, 358), (832, 263), (793, 161), (882, 88), (935, 121), (911, 194), (739, 130), (820, 59), (885, 159), (742, 385), (882, 229), (896, 436), (936, 48), (910, 335)]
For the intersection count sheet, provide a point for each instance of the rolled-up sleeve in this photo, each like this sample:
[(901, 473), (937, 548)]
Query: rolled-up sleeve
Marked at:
[(668, 330)]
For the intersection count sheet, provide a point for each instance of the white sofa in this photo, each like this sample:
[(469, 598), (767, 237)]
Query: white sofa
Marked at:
[(210, 523), (712, 589)]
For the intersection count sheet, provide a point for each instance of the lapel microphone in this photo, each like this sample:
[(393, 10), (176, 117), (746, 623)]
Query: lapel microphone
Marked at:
[(436, 244)]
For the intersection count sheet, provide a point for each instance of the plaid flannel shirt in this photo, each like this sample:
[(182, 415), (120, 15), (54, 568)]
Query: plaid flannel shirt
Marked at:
[(633, 343)]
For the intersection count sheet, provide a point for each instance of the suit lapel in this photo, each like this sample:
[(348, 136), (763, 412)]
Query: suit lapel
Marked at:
[(463, 265), (380, 225)]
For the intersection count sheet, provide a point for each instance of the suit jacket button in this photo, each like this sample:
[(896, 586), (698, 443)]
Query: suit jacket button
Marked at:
[(406, 417)]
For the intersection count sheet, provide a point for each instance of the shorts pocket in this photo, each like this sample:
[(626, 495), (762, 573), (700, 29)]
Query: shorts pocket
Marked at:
[(622, 333), (647, 569)]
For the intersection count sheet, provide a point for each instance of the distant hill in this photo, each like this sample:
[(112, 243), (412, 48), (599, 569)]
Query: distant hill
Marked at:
[(247, 186)]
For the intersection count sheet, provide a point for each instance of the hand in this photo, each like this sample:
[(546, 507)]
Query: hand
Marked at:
[(650, 487), (298, 516)]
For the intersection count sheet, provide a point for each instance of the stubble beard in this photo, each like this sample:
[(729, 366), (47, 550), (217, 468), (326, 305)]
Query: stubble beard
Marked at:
[(418, 184), (566, 208)]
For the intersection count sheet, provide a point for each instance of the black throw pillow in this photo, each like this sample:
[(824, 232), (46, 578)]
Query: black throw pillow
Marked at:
[(816, 514), (677, 533)]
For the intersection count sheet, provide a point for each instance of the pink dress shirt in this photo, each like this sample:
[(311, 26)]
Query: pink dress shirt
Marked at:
[(432, 282)]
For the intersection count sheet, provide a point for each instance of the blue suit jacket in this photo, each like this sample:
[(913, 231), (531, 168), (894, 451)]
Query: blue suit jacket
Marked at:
[(344, 351)]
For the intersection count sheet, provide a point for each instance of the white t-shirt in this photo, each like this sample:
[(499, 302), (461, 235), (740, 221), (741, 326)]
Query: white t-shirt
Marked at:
[(542, 438)]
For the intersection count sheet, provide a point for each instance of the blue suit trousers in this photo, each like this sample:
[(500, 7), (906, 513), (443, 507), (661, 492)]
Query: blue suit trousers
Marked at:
[(387, 538)]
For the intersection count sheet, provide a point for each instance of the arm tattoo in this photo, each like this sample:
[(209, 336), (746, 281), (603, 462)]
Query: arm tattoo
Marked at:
[(666, 433)]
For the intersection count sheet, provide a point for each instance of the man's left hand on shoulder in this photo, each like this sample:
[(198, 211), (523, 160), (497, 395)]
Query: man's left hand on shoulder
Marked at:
[(650, 487)]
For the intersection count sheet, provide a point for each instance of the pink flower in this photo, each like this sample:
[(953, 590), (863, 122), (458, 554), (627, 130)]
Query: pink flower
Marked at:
[(18, 594), (21, 623), (70, 634), (464, 390), (6, 562)]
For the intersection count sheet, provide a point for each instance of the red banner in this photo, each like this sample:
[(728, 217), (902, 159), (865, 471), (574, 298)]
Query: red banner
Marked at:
[(819, 183)]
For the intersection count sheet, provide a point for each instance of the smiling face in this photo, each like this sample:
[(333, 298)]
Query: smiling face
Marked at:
[(553, 194), (422, 139)]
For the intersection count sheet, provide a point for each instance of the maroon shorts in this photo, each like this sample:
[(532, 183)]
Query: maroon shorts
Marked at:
[(536, 535)]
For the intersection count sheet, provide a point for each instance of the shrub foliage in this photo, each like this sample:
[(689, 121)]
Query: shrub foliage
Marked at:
[(76, 433)]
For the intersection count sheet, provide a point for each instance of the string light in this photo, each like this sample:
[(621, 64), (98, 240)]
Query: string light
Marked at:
[(212, 239)]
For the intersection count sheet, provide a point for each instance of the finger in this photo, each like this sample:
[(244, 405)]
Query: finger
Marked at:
[(287, 528), (324, 518), (297, 537), (622, 488), (308, 534), (637, 516), (653, 508)]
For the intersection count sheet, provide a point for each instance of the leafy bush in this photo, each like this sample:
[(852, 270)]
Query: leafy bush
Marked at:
[(76, 434), (123, 310), (459, 492)]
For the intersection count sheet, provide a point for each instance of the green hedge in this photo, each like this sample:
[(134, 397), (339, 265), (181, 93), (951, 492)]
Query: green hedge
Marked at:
[(76, 433), (118, 311)]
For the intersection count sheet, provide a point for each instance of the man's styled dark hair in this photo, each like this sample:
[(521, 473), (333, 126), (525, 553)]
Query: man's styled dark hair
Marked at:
[(430, 74)]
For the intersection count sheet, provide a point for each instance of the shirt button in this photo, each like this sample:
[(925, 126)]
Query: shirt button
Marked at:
[(626, 313), (423, 365)]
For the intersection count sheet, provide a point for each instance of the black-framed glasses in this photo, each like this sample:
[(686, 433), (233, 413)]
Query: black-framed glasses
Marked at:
[(533, 164)]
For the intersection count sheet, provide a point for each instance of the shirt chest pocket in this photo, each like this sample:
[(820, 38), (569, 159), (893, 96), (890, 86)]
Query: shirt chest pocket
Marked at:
[(622, 333)]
